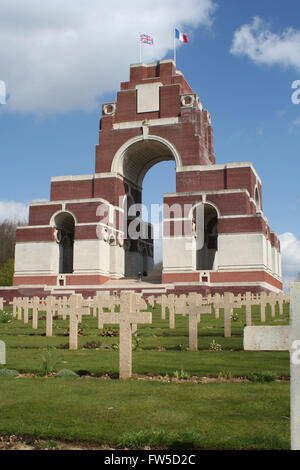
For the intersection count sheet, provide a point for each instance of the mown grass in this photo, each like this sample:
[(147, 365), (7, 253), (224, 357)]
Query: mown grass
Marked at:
[(138, 413), (141, 413)]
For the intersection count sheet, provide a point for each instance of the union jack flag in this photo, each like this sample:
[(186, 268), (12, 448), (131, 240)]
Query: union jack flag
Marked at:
[(146, 39)]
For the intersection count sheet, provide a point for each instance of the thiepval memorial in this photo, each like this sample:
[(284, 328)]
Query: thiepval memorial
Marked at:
[(84, 240)]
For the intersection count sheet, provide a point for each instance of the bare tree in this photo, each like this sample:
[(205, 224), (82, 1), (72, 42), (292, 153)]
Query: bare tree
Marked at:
[(8, 239)]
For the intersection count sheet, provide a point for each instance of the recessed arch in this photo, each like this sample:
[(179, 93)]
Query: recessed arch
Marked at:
[(206, 231), (62, 211), (138, 155), (257, 199), (209, 203), (64, 223)]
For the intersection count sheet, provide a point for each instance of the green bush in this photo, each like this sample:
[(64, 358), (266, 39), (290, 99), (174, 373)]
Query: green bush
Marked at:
[(181, 375), (136, 342), (66, 373), (8, 373), (7, 273), (225, 374), (261, 377), (180, 347), (214, 346), (47, 363), (109, 332), (5, 317)]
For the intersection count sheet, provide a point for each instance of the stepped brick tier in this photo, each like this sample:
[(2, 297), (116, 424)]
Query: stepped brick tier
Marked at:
[(78, 240)]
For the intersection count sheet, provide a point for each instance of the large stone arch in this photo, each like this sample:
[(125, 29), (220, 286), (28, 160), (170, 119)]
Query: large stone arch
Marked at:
[(139, 154)]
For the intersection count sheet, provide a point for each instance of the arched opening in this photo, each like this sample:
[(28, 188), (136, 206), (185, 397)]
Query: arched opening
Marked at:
[(206, 254), (65, 229), (257, 200), (159, 180), (134, 161)]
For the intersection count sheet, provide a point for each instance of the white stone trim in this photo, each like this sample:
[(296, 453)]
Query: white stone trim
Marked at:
[(71, 178), (62, 211), (117, 163), (220, 166), (245, 216), (207, 193), (208, 203), (150, 122)]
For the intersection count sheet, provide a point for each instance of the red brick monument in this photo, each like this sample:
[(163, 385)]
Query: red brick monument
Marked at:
[(79, 241)]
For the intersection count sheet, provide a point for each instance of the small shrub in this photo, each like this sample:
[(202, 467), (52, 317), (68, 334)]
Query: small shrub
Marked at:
[(136, 342), (141, 439), (261, 377), (181, 375), (225, 374), (63, 346), (109, 332), (5, 317), (235, 317), (214, 346), (180, 347), (115, 346), (92, 345), (8, 373), (47, 363), (66, 373)]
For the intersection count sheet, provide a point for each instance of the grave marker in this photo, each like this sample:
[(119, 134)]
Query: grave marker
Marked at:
[(282, 338), (126, 319), (2, 353)]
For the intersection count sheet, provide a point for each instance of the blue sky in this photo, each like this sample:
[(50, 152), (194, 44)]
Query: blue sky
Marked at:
[(60, 63)]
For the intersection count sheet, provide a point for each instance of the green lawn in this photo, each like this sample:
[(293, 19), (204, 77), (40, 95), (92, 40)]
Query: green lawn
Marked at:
[(136, 413)]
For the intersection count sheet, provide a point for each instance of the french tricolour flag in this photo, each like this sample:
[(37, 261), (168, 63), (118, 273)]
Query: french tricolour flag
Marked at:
[(182, 37)]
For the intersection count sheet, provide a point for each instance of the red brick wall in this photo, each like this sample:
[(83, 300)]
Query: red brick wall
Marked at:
[(78, 189), (34, 234), (41, 215)]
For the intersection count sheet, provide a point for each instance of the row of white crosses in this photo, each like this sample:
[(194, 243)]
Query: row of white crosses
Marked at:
[(227, 302), (176, 305), (74, 307), (21, 308)]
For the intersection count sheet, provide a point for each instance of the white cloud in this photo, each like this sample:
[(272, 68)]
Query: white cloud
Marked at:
[(62, 56), (11, 210), (256, 41), (290, 249), (296, 122)]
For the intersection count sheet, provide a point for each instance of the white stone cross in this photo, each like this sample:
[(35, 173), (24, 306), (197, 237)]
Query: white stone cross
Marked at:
[(2, 353), (228, 305), (35, 312), (77, 308), (1, 303), (127, 319), (283, 338), (151, 301), (49, 307)]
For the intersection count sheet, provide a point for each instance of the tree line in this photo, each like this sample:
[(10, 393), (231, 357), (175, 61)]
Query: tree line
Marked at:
[(7, 250)]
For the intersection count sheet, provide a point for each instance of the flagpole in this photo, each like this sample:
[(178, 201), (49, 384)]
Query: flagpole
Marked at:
[(174, 46), (140, 50)]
